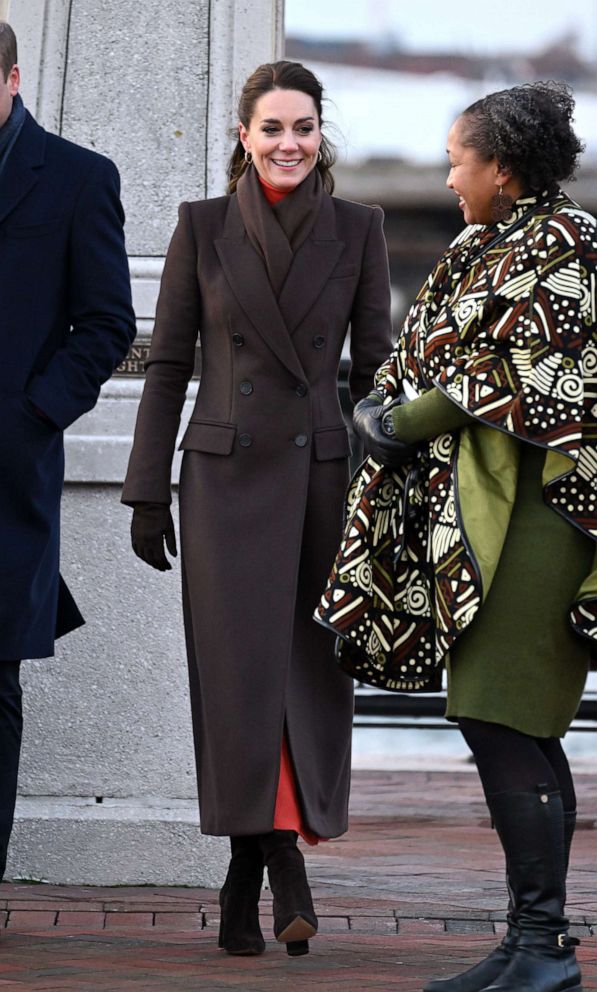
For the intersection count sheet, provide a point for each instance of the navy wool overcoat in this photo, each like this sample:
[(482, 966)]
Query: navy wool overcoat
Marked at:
[(66, 321)]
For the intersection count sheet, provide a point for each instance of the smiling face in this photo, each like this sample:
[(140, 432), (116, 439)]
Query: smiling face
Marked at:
[(474, 180), (283, 137)]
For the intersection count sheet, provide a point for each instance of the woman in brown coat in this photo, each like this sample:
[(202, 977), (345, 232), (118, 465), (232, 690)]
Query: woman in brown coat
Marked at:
[(270, 277)]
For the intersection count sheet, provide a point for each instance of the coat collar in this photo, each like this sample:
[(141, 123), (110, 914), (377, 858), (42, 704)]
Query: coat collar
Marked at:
[(313, 263), (21, 174)]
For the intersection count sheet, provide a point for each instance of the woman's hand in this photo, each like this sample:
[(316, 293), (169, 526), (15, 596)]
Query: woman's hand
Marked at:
[(152, 525), (385, 449)]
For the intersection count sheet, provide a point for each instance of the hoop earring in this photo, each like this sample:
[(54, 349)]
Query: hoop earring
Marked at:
[(248, 158), (320, 155), (501, 205)]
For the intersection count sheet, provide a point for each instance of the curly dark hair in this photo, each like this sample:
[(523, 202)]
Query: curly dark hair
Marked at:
[(282, 75), (528, 130)]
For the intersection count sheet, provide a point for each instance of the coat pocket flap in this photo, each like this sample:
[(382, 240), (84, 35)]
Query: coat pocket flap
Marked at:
[(331, 442), (32, 230), (215, 439), (344, 272)]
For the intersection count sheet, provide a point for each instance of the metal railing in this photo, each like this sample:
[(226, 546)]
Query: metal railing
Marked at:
[(375, 708)]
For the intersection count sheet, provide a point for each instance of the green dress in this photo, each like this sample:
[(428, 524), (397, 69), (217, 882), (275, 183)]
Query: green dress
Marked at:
[(519, 663)]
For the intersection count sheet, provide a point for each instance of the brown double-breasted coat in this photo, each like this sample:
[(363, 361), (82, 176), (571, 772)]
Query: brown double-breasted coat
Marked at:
[(261, 493)]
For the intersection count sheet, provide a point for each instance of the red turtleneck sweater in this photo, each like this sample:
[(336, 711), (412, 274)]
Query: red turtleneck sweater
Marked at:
[(273, 195)]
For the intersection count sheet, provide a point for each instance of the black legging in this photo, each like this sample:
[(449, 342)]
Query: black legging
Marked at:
[(11, 724), (509, 761)]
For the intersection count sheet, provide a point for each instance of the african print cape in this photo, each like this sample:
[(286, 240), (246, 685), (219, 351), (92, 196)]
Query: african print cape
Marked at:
[(506, 326)]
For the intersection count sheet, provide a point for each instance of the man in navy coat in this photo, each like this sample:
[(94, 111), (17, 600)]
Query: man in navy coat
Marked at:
[(66, 321)]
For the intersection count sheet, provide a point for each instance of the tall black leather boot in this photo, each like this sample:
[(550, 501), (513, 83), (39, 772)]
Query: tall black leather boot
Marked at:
[(240, 932), (532, 832), (477, 978), (294, 916)]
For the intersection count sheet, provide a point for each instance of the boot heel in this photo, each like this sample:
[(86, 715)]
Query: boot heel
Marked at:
[(294, 948), (221, 933)]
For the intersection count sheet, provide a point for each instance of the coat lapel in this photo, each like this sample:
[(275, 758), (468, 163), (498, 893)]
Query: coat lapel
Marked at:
[(246, 273), (312, 266), (20, 173)]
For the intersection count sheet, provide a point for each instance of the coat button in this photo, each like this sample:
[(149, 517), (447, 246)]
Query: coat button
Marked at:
[(238, 340), (301, 440), (246, 387), (301, 389), (245, 440), (318, 341)]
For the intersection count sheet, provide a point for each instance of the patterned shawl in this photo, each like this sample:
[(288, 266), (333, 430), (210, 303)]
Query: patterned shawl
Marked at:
[(507, 328)]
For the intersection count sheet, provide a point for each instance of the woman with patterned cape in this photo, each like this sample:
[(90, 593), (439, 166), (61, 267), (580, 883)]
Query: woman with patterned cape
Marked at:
[(471, 526)]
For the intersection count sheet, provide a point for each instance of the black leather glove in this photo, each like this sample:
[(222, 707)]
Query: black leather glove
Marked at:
[(152, 525), (384, 449)]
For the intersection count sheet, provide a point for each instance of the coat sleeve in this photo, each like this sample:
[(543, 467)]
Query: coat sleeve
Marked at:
[(427, 416), (371, 320), (169, 368), (99, 300)]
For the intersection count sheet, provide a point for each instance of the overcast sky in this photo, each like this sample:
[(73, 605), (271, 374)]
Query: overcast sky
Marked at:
[(471, 25)]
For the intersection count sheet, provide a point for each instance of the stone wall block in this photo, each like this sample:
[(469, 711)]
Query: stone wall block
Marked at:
[(136, 89)]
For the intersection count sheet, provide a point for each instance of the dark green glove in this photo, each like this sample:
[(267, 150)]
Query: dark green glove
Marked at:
[(383, 448), (152, 525)]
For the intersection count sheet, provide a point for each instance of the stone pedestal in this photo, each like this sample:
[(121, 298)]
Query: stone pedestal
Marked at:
[(107, 782)]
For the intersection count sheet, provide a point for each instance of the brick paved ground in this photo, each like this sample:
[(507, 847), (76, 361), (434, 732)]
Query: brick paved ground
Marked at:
[(414, 890)]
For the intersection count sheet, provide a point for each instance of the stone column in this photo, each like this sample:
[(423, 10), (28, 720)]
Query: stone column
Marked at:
[(107, 783)]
